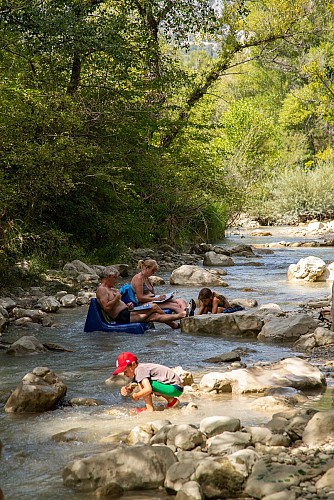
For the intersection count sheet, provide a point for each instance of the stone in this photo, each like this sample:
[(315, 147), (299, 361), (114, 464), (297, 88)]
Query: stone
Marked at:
[(215, 259), (211, 426), (28, 344), (39, 390), (239, 324), (132, 468), (287, 329), (289, 372), (194, 275), (190, 491), (319, 429), (307, 269)]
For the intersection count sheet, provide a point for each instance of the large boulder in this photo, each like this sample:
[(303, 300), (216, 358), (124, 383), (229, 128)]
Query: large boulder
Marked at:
[(215, 259), (307, 269), (28, 344), (238, 324), (195, 275), (49, 304), (290, 372), (133, 468), (38, 391), (320, 429), (287, 329), (77, 267)]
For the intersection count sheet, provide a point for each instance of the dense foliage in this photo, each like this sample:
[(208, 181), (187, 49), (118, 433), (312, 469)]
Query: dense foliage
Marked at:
[(130, 122)]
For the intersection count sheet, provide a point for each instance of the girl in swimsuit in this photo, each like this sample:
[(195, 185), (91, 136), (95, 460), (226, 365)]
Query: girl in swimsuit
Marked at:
[(144, 289), (211, 302)]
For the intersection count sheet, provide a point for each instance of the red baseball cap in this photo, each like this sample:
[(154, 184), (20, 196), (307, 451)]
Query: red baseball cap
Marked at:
[(123, 360)]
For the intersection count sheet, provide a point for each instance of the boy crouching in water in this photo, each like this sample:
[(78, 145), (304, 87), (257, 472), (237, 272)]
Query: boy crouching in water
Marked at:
[(152, 378)]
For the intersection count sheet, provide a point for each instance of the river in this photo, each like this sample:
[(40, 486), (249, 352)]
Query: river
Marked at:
[(32, 462)]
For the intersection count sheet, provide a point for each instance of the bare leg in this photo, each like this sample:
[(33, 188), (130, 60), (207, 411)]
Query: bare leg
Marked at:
[(148, 402), (143, 316), (176, 305), (169, 319)]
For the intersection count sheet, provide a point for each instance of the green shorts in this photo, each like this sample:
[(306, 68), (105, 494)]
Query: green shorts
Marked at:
[(166, 389)]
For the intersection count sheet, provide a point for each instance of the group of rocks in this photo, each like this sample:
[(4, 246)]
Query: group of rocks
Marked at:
[(290, 457)]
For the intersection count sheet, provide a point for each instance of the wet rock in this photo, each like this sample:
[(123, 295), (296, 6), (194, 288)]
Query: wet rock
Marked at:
[(238, 324), (134, 468), (190, 491), (308, 269), (34, 314), (290, 372), (211, 426), (111, 490), (7, 303), (224, 358), (260, 232), (194, 275), (219, 479), (76, 434), (38, 391), (215, 259), (84, 402), (319, 429), (185, 376), (26, 345), (69, 300), (140, 434), (287, 329), (49, 304), (184, 437)]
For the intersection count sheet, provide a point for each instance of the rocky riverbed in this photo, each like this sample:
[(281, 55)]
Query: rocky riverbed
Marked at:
[(223, 463)]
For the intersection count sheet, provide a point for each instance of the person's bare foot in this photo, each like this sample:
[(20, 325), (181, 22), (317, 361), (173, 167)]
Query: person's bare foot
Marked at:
[(174, 325)]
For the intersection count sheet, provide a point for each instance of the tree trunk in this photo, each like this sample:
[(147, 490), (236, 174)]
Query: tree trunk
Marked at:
[(75, 75)]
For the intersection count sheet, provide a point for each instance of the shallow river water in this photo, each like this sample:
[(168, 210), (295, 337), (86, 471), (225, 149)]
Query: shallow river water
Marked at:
[(32, 462)]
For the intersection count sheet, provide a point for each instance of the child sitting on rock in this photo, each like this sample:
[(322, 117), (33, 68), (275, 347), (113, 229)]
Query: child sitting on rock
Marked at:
[(211, 302), (152, 378)]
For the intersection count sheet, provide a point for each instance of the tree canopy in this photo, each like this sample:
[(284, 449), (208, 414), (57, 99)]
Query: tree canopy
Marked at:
[(129, 122)]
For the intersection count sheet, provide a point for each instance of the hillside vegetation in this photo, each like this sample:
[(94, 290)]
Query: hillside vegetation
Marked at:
[(125, 123)]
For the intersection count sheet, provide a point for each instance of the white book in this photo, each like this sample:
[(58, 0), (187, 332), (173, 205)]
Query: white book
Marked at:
[(142, 307), (168, 297)]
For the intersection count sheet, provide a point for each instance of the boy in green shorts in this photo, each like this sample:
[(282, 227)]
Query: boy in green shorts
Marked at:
[(152, 378)]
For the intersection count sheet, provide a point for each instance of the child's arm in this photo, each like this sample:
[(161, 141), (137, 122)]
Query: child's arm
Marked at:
[(145, 390), (126, 390), (215, 303), (201, 309)]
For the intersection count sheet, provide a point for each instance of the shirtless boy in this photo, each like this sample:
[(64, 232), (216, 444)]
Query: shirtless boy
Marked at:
[(111, 302)]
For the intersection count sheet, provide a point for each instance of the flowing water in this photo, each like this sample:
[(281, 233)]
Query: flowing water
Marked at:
[(32, 462)]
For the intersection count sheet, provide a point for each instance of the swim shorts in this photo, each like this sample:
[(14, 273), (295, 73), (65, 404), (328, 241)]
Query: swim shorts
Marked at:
[(166, 389), (123, 318)]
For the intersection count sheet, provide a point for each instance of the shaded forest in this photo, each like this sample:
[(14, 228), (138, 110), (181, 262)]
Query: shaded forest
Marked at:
[(126, 123)]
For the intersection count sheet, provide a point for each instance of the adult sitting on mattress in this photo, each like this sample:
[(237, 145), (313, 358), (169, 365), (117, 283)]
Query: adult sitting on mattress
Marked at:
[(145, 293), (110, 301)]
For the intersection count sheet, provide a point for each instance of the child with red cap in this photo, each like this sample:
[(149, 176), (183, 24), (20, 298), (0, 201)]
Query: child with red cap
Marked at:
[(152, 378)]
